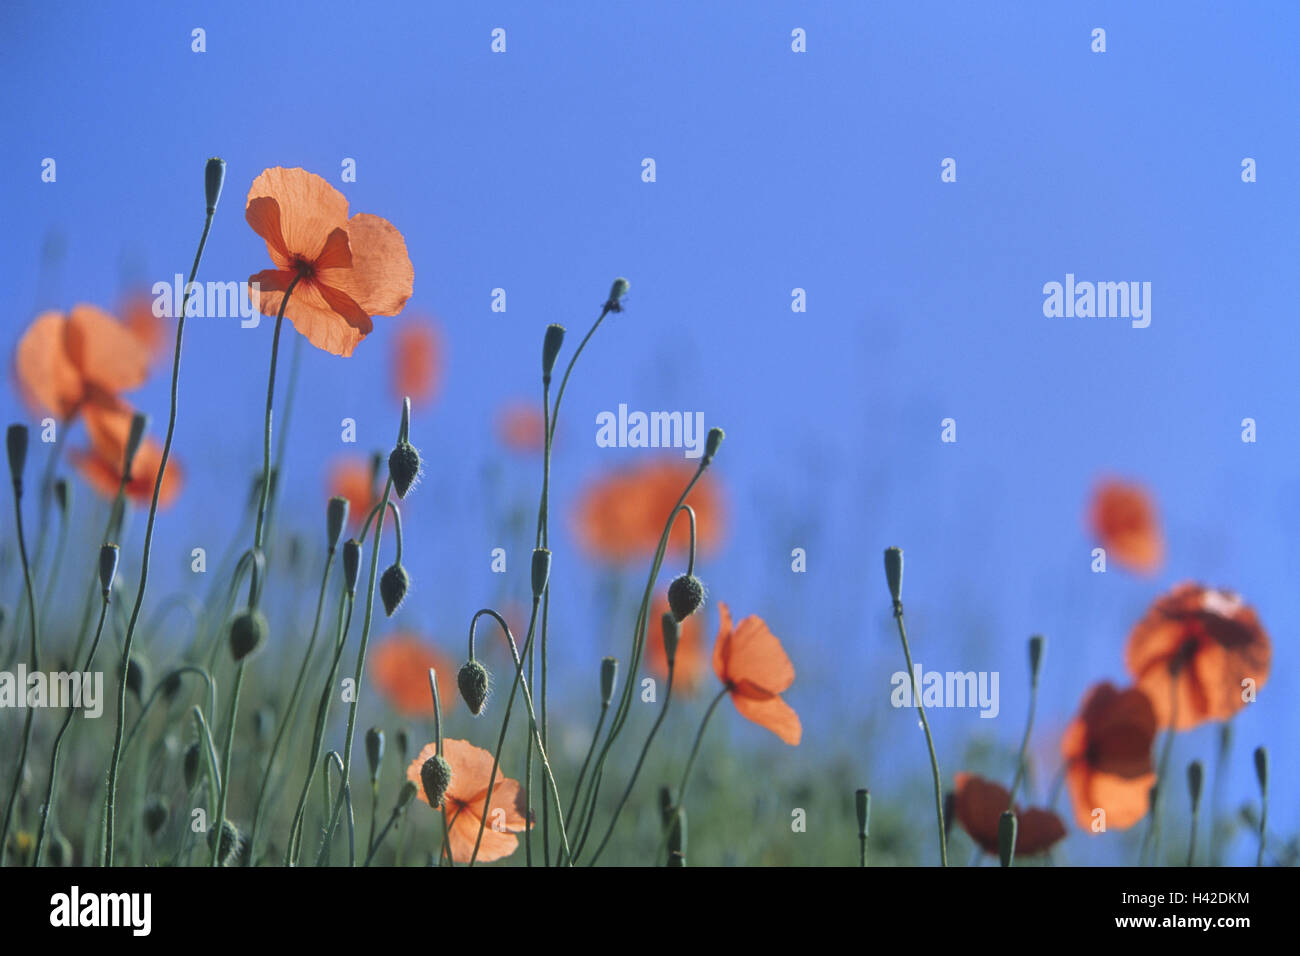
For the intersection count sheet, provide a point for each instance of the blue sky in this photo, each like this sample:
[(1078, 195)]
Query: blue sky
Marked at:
[(775, 171)]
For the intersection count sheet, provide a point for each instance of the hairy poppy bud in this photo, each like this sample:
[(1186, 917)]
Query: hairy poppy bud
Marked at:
[(541, 570), (712, 443), (136, 673), (1007, 837), (393, 585), (247, 632), (435, 774), (171, 685), (351, 564), (374, 750), (608, 675), (1195, 777), (16, 446), (231, 845), (406, 795), (685, 595), (403, 741), (214, 176), (551, 349), (404, 467), (1037, 644), (155, 815), (61, 495), (894, 573), (1261, 768), (108, 555), (473, 683), (616, 293), (336, 516), (190, 765), (672, 631)]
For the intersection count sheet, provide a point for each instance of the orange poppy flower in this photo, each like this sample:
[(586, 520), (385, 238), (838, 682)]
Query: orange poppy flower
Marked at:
[(150, 330), (1107, 752), (417, 361), (108, 425), (978, 805), (64, 361), (690, 649), (1200, 645), (753, 666), (1123, 517), (522, 428), (399, 666), (348, 269), (354, 479), (466, 797), (621, 516)]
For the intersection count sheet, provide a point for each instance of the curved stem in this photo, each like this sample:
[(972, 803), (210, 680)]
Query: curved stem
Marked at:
[(929, 739)]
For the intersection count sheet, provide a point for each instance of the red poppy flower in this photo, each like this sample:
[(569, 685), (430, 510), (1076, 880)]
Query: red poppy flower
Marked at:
[(466, 799), (522, 428), (399, 666), (1123, 518), (690, 665), (417, 361), (978, 805), (354, 479), (108, 425), (621, 516), (1107, 752), (753, 666)]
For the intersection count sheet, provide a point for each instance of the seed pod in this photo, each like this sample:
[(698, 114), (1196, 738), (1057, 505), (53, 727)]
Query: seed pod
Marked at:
[(616, 293), (894, 573), (685, 595), (214, 176), (247, 632), (1007, 837), (712, 443), (108, 555), (435, 774), (16, 446), (541, 570), (608, 676), (672, 632), (190, 765)]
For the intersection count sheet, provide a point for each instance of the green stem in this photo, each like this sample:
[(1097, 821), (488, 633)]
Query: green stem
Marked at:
[(227, 749), (929, 739), (695, 748)]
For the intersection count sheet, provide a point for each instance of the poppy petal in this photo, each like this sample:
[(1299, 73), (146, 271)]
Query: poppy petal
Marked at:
[(772, 713), (46, 376), (309, 209), (104, 350), (381, 278), (756, 656)]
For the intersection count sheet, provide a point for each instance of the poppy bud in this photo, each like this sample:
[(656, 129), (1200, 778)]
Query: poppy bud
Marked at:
[(1261, 768), (404, 467), (403, 742), (677, 838), (685, 595), (406, 795), (473, 683), (551, 349), (1195, 777), (231, 844), (862, 803), (712, 443), (374, 750), (894, 573), (541, 570), (16, 445), (136, 673), (214, 176), (171, 685), (436, 777), (672, 631), (393, 584), (247, 632), (139, 425), (608, 675), (616, 293), (1037, 644), (190, 765), (1007, 837), (351, 564), (61, 495), (155, 815), (108, 555), (336, 516)]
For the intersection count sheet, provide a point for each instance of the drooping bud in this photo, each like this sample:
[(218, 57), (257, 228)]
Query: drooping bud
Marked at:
[(171, 685), (190, 765), (1037, 644), (685, 595), (336, 516), (16, 446), (541, 570), (247, 632), (1007, 837), (136, 674), (551, 349), (608, 677), (672, 631), (616, 293), (435, 775), (473, 683), (374, 750), (155, 815), (214, 176), (108, 555), (393, 585), (894, 573), (712, 443), (404, 467), (351, 564), (231, 845)]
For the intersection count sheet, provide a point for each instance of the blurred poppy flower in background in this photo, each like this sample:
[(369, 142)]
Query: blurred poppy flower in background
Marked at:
[(522, 428), (64, 361), (753, 666), (621, 516), (978, 805), (400, 669), (353, 479), (150, 330), (1198, 645), (1123, 517), (690, 665), (348, 269), (1107, 753), (108, 426), (466, 800), (416, 361)]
